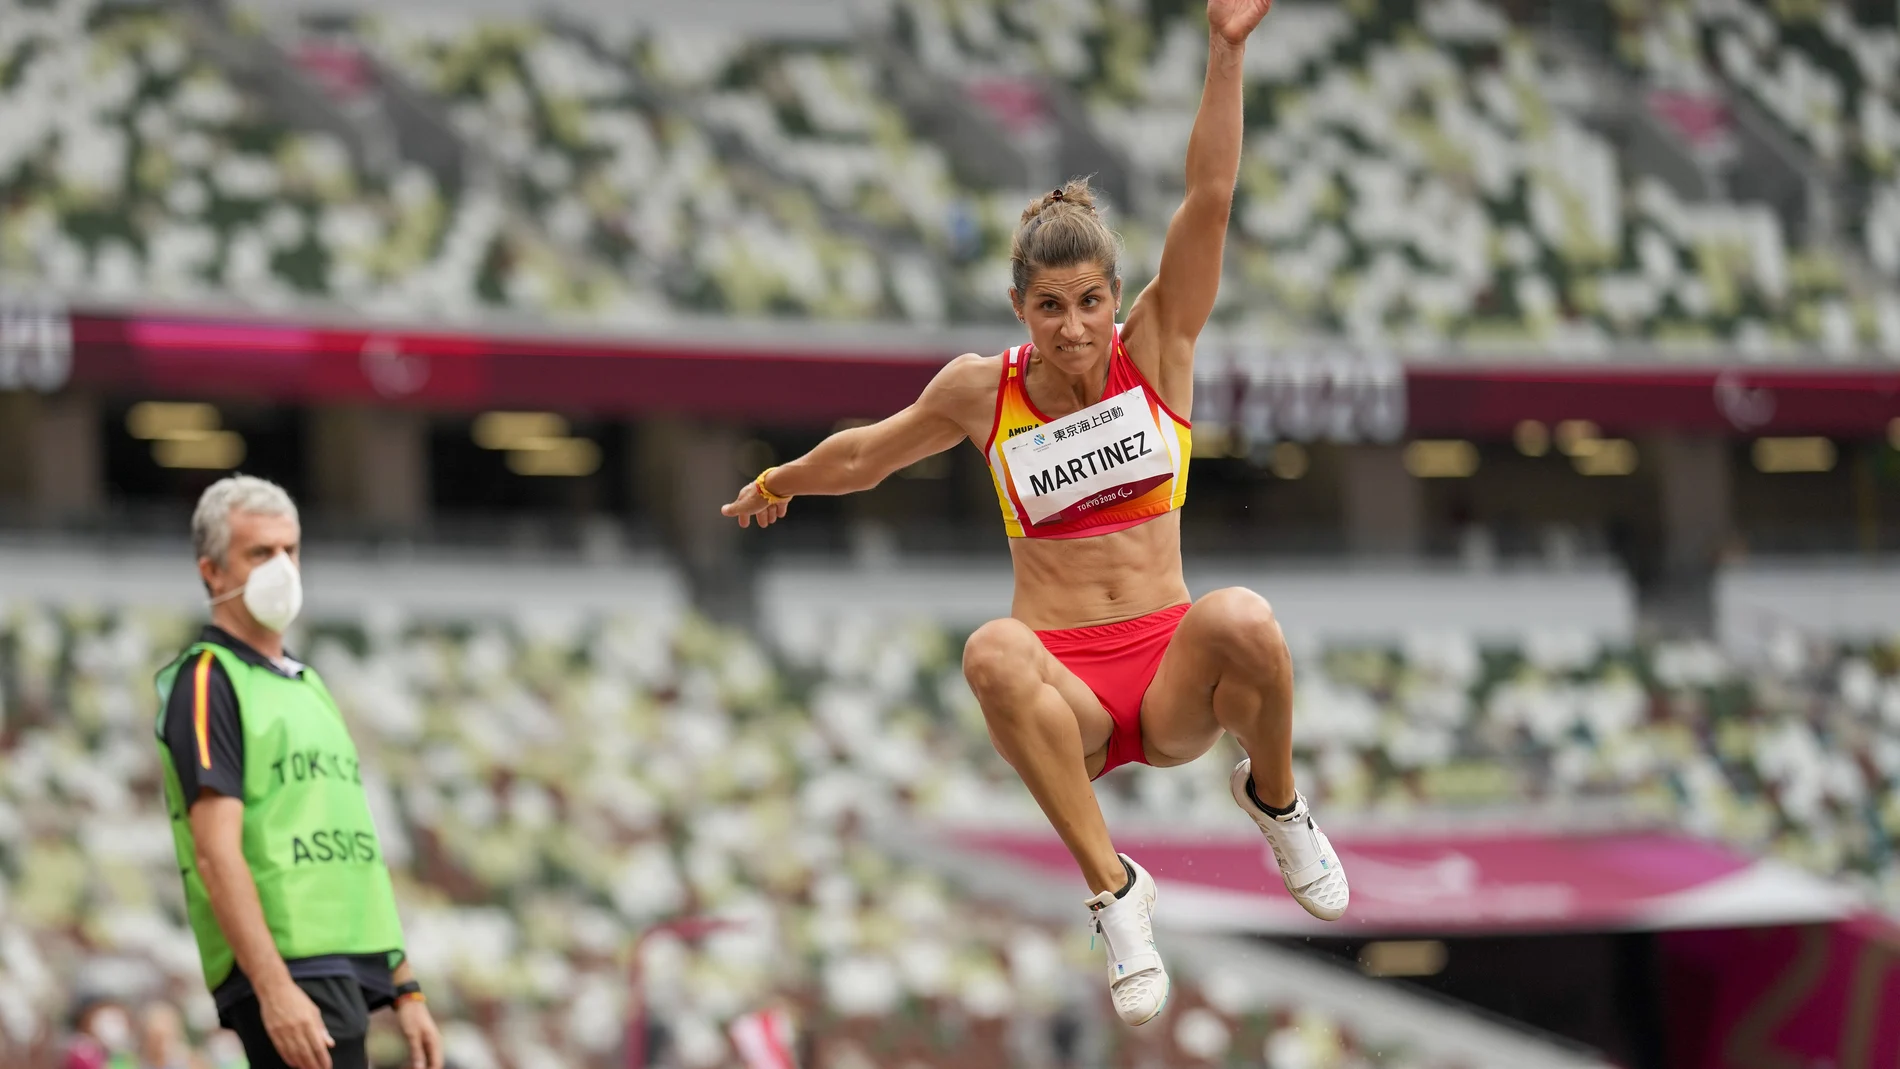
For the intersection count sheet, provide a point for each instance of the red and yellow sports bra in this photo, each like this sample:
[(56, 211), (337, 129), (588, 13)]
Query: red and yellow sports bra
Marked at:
[(1108, 467)]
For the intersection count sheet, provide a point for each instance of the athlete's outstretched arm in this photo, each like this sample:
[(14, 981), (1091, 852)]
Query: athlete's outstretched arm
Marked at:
[(1171, 311), (861, 457)]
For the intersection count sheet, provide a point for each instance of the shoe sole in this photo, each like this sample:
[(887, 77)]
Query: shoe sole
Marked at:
[(1164, 1005), (1315, 910)]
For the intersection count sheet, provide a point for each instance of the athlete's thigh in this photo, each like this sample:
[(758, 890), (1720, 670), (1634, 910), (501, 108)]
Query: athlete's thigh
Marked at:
[(1091, 719), (1177, 713)]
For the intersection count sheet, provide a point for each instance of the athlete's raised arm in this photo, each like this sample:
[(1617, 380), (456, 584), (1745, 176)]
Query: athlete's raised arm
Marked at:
[(861, 457), (1169, 314)]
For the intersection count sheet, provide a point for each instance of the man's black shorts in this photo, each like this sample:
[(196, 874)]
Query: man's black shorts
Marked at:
[(345, 1014)]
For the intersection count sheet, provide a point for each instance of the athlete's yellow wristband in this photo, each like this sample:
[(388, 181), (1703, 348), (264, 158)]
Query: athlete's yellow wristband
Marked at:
[(770, 497)]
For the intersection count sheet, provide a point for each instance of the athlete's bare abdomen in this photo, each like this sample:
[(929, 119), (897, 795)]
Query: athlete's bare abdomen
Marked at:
[(1082, 582)]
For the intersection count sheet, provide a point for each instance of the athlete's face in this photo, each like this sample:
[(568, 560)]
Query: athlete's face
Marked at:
[(1070, 313)]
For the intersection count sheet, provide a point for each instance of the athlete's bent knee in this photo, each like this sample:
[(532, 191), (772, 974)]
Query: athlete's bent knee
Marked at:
[(999, 661), (1245, 631)]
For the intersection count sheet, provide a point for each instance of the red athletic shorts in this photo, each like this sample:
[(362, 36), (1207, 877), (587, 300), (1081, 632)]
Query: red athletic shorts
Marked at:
[(1118, 661)]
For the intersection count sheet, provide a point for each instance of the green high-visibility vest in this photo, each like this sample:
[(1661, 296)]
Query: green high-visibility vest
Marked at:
[(308, 837)]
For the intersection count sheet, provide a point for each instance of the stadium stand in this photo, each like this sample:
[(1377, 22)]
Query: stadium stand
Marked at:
[(134, 166), (1795, 755), (534, 781), (564, 758), (1422, 174), (618, 148), (534, 774), (1825, 74)]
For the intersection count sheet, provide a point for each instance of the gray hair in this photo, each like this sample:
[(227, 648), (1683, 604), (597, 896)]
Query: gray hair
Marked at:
[(211, 520)]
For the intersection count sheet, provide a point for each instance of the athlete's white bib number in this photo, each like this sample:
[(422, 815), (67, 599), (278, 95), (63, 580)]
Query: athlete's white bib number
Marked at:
[(1107, 453)]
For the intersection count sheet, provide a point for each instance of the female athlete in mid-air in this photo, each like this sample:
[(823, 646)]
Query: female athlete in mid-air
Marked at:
[(1104, 658)]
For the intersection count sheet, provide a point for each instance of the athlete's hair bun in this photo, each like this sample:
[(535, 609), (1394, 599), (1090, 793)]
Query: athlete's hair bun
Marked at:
[(1074, 193), (1062, 228)]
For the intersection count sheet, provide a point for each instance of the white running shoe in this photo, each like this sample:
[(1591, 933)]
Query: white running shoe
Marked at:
[(1308, 863), (1137, 981)]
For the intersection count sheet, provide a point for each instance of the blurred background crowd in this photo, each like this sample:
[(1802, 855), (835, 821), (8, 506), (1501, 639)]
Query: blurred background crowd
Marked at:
[(1603, 296), (545, 789), (1417, 173), (548, 785)]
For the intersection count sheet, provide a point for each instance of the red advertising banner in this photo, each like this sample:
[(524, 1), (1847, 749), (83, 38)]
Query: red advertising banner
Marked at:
[(1845, 400), (1814, 995), (1307, 394), (467, 371), (1445, 884)]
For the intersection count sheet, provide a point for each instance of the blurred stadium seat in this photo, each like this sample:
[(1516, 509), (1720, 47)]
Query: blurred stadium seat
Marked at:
[(135, 167), (1825, 75), (1796, 754), (658, 156), (546, 789), (1422, 174), (1542, 326), (549, 785)]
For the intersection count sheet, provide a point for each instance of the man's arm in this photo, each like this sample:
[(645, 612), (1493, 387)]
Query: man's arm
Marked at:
[(204, 733), (204, 736), (295, 1024), (418, 1025), (217, 829)]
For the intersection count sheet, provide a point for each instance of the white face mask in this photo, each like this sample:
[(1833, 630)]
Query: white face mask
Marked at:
[(274, 593)]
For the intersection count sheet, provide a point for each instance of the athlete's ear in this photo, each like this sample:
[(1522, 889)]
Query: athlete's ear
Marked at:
[(1016, 302), (1117, 286)]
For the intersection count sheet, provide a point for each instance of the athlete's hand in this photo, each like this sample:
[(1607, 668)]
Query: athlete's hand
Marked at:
[(418, 1027), (751, 507), (1235, 19), (295, 1026)]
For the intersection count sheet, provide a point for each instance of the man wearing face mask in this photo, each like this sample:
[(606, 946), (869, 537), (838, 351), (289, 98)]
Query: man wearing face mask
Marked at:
[(285, 883)]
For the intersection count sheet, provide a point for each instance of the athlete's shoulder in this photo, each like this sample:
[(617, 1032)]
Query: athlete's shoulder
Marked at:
[(974, 365), (964, 390), (967, 374)]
